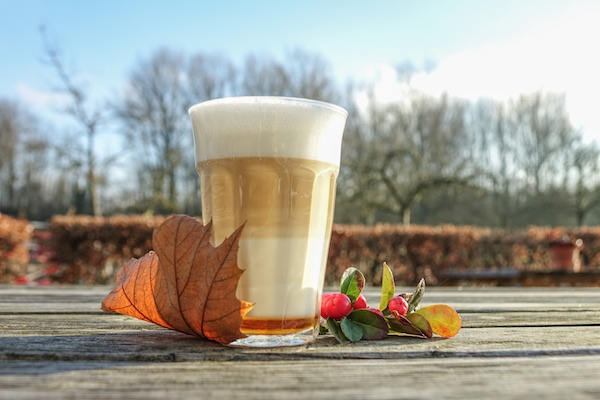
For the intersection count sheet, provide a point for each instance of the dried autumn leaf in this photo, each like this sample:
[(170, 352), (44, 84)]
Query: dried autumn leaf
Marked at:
[(186, 285), (444, 320), (131, 296)]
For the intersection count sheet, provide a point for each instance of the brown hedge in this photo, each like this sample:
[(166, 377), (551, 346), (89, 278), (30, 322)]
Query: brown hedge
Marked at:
[(416, 252), (14, 253), (93, 248)]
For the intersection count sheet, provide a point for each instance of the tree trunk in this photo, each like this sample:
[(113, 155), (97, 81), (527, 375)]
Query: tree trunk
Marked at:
[(580, 215), (405, 216), (94, 208)]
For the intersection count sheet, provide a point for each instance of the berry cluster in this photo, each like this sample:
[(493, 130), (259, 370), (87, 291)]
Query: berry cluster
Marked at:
[(339, 305), (348, 316)]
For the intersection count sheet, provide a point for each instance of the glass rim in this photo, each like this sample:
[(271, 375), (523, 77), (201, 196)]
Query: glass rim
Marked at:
[(270, 100)]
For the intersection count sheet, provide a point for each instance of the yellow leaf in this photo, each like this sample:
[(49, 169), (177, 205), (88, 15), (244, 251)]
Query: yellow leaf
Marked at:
[(444, 320)]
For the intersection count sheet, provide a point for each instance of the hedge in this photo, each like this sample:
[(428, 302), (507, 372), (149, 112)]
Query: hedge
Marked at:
[(416, 252), (14, 253), (93, 248)]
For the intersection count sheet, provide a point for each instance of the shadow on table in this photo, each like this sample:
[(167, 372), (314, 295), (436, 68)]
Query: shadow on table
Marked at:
[(57, 353), (47, 354)]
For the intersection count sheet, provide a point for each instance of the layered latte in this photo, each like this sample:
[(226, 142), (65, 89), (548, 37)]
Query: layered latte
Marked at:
[(271, 165)]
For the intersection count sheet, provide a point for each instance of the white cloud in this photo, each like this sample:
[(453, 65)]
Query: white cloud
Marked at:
[(384, 86), (40, 98), (559, 55)]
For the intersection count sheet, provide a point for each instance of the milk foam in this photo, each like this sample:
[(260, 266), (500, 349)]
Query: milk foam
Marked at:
[(228, 128)]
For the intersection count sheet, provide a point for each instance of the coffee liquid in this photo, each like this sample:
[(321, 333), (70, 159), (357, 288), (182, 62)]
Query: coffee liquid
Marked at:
[(286, 205)]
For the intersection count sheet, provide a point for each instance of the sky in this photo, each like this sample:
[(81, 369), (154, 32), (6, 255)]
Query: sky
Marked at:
[(470, 49)]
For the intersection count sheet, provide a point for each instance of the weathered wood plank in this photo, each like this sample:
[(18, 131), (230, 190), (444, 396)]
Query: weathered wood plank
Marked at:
[(72, 323), (157, 344), (542, 377), (55, 343), (88, 299)]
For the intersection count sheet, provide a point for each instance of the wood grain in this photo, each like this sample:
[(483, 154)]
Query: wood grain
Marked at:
[(55, 343)]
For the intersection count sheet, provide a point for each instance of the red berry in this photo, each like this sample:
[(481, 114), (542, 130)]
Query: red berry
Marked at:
[(335, 305), (376, 310), (324, 313), (398, 304), (361, 302)]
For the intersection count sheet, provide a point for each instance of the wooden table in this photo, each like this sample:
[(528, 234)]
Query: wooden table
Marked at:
[(55, 343)]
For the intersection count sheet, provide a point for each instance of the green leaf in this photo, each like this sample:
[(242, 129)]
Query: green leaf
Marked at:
[(387, 287), (353, 282), (373, 325), (399, 324), (420, 322), (444, 320), (353, 331), (336, 331), (416, 296), (323, 330)]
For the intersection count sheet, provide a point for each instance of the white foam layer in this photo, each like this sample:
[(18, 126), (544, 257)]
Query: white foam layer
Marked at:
[(268, 127)]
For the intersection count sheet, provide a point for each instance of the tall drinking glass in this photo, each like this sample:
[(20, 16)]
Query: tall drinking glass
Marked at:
[(270, 164)]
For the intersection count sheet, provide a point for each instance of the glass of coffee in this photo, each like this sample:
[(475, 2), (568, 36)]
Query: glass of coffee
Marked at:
[(270, 164)]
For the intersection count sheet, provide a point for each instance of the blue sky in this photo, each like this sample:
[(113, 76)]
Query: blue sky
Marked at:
[(480, 48)]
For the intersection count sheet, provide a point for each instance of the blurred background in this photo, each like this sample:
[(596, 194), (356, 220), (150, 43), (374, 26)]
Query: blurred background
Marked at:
[(464, 112)]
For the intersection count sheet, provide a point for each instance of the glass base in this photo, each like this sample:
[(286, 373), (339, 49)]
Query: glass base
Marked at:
[(266, 341)]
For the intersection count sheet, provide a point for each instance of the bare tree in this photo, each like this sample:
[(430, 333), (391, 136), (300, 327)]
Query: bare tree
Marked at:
[(261, 75), (542, 138), (153, 113), (10, 130), (353, 180), (585, 160), (544, 134), (87, 116), (401, 151), (209, 76), (310, 76), (23, 160), (35, 200), (300, 74), (495, 152)]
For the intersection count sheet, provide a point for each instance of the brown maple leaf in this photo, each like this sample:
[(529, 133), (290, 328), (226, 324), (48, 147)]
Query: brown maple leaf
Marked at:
[(185, 284)]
